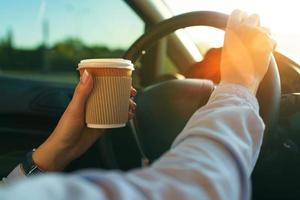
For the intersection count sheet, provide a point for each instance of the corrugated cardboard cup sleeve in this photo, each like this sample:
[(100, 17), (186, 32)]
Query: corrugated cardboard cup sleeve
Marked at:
[(107, 106)]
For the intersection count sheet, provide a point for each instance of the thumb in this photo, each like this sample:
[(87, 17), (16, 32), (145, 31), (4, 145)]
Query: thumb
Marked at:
[(82, 91), (72, 120)]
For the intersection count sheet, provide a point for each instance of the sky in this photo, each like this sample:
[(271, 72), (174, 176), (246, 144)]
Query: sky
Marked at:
[(112, 23), (280, 16), (104, 22)]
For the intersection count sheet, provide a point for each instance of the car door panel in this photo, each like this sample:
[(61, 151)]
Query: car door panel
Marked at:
[(29, 111)]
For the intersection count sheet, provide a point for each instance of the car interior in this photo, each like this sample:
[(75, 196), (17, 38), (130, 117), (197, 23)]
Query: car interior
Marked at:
[(174, 78)]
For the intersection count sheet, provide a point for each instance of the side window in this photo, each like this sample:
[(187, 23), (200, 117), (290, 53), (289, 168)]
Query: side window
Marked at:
[(46, 39)]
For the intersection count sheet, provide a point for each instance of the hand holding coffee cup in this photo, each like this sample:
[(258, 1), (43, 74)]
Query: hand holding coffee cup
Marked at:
[(107, 106)]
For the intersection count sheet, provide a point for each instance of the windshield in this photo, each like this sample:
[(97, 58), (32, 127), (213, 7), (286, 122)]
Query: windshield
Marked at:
[(46, 39), (280, 16)]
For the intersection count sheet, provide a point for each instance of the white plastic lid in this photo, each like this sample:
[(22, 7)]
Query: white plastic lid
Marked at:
[(107, 62)]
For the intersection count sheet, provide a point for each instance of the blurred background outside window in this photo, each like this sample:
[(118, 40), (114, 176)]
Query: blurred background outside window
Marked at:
[(45, 39)]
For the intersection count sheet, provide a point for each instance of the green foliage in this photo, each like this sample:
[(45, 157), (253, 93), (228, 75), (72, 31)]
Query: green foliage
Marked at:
[(62, 56)]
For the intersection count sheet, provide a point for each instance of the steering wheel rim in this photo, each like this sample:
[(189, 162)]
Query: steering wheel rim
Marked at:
[(269, 92), (268, 95)]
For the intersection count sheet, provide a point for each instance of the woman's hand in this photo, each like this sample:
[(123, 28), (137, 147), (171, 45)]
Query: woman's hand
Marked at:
[(247, 51), (71, 138)]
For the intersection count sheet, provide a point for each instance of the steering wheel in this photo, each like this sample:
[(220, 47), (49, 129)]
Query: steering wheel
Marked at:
[(163, 109)]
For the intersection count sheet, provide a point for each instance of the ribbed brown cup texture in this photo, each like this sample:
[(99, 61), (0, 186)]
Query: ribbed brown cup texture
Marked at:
[(108, 103)]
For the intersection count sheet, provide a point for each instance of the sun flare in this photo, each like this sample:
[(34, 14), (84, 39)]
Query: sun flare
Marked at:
[(281, 17)]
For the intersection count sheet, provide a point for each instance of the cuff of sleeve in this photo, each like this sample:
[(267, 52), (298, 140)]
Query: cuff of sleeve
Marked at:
[(17, 173), (231, 89)]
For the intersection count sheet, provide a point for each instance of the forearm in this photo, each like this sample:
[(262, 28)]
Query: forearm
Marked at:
[(230, 118), (211, 159), (219, 146), (54, 156)]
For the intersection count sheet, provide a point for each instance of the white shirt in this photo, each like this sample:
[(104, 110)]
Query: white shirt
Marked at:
[(212, 158)]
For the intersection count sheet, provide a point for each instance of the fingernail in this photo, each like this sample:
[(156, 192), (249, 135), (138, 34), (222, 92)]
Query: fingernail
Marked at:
[(134, 92), (84, 77)]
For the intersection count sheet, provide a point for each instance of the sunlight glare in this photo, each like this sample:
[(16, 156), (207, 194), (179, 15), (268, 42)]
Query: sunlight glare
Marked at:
[(278, 15), (281, 17)]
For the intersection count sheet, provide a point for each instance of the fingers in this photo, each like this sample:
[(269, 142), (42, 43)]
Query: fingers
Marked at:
[(132, 104), (133, 92), (236, 18), (132, 107), (252, 20), (239, 19)]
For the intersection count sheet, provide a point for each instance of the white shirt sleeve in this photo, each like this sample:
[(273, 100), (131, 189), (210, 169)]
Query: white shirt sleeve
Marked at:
[(212, 158), (15, 174)]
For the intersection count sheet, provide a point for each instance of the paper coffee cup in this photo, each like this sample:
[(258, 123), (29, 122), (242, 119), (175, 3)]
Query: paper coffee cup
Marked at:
[(107, 105)]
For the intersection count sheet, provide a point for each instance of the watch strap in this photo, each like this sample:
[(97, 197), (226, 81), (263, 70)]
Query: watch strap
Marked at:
[(28, 165)]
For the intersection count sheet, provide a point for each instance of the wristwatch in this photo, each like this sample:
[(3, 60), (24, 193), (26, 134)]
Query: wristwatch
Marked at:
[(28, 165)]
